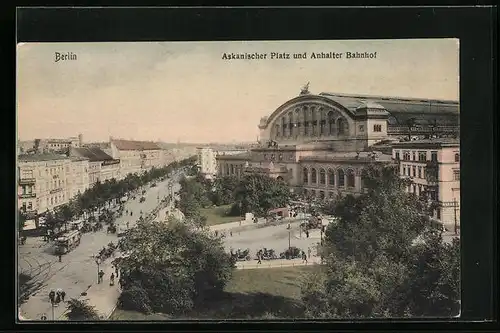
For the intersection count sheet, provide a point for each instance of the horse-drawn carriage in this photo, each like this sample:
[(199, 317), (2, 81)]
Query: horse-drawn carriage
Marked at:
[(291, 253), (106, 252), (142, 199), (266, 254), (240, 255), (314, 222)]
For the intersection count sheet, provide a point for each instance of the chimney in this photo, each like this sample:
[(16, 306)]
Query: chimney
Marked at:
[(80, 140)]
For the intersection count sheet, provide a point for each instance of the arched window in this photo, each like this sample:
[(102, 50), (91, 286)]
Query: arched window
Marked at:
[(341, 178), (350, 178), (457, 157), (342, 126), (277, 130), (305, 175), (314, 121), (331, 177), (290, 124), (232, 169), (322, 122), (331, 123), (306, 121), (322, 177), (313, 176), (283, 127)]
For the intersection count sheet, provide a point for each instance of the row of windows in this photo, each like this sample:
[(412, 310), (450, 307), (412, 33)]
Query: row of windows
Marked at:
[(330, 127), (53, 200), (343, 177), (422, 156), (420, 190), (272, 157), (413, 171)]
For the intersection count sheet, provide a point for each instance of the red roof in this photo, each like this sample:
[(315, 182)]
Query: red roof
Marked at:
[(135, 145)]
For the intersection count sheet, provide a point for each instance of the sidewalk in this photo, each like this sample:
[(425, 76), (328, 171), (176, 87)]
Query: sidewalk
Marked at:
[(102, 296), (245, 224), (278, 263)]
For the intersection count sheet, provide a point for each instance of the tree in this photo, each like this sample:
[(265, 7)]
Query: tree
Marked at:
[(223, 190), (52, 222), (170, 267), (81, 310), (192, 197), (64, 214), (260, 193), (374, 267)]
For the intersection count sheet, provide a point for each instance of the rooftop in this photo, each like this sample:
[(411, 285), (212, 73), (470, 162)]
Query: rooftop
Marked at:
[(94, 154), (400, 108), (135, 145), (348, 156), (242, 156), (40, 157), (438, 142)]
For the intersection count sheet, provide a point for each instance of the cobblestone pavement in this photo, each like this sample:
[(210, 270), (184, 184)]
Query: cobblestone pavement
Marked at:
[(78, 271)]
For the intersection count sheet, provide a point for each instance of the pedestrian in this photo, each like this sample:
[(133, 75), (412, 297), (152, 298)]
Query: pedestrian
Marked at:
[(259, 257), (58, 299), (60, 258), (309, 252), (116, 271), (101, 276), (52, 296), (112, 279), (307, 233), (63, 294), (231, 233)]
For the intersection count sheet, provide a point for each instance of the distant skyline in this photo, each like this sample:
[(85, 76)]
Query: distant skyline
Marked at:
[(186, 91)]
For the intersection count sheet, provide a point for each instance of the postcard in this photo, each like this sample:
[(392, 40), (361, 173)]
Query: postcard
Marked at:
[(238, 180)]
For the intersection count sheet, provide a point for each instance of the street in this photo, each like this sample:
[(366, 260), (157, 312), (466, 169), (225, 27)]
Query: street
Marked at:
[(78, 270)]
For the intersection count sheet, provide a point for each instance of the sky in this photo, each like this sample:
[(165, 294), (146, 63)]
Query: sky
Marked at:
[(186, 91)]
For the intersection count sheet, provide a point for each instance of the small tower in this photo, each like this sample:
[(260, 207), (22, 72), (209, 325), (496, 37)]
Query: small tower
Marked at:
[(80, 140), (371, 123)]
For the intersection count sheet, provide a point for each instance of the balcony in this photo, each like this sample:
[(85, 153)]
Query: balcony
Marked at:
[(27, 181), (27, 195)]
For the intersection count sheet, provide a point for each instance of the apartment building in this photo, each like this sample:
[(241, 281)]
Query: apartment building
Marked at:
[(43, 182), (102, 167), (433, 166), (79, 177), (207, 159), (136, 156)]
